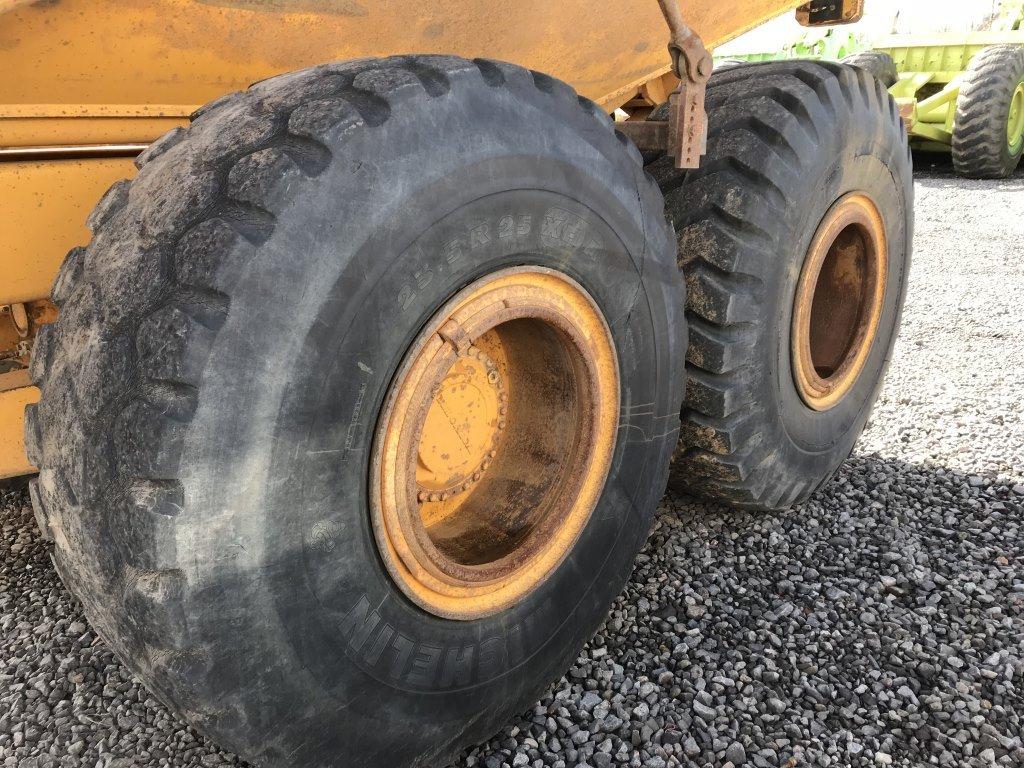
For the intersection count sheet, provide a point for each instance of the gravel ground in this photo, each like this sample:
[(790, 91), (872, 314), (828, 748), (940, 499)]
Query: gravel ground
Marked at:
[(881, 624)]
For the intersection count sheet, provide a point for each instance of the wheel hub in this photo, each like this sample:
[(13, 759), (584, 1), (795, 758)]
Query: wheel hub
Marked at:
[(1015, 121), (838, 301), (494, 443), (462, 427)]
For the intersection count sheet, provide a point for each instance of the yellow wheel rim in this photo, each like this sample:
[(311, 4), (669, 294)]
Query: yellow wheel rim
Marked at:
[(1015, 121), (495, 442), (838, 302)]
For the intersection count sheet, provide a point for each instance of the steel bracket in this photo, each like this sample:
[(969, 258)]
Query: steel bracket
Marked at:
[(685, 134), (826, 13)]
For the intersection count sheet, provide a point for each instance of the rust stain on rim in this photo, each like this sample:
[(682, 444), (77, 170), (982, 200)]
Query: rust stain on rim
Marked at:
[(839, 299), (495, 442)]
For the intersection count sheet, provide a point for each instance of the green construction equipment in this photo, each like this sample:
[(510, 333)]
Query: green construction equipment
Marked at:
[(829, 44), (963, 92), (958, 92)]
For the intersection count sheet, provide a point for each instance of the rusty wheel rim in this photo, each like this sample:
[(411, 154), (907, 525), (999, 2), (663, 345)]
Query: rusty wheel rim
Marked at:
[(495, 442), (839, 300)]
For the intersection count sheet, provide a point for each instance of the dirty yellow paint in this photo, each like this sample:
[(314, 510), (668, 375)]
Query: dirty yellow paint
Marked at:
[(45, 204), (332, 7), (469, 510), (12, 442), (97, 54), (838, 304), (49, 130)]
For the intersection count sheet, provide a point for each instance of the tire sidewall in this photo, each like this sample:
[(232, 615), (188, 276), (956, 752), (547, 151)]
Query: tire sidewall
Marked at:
[(1000, 109), (355, 369), (1010, 159), (854, 160)]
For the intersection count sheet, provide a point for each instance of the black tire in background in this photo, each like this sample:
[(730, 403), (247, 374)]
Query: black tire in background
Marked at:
[(878, 63), (211, 388), (787, 140), (981, 145), (723, 64)]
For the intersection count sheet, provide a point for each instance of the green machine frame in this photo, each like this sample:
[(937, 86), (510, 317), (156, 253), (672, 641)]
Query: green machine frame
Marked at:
[(830, 43), (931, 70)]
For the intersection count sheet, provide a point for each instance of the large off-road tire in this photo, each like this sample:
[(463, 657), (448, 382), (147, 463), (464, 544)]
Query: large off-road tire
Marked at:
[(878, 63), (226, 343), (988, 129), (789, 143)]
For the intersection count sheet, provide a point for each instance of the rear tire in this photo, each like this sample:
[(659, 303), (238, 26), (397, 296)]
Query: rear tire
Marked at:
[(990, 107), (877, 63), (787, 141), (227, 341)]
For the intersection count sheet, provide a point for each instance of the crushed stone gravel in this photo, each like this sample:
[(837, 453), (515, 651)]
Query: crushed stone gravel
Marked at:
[(880, 624)]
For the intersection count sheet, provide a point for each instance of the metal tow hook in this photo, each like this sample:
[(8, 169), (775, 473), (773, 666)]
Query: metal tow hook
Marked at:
[(685, 134)]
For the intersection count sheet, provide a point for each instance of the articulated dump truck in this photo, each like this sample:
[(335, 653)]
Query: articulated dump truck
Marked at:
[(353, 343)]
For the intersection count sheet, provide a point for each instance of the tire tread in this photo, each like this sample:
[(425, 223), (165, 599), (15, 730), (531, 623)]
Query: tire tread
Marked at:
[(980, 148), (762, 117)]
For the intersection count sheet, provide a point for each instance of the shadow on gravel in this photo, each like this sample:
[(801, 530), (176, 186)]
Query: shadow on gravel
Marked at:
[(934, 166), (881, 623), (883, 620)]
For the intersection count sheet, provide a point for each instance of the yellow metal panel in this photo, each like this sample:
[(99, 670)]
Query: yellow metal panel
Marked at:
[(183, 52), (45, 205), (12, 442), (84, 131)]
